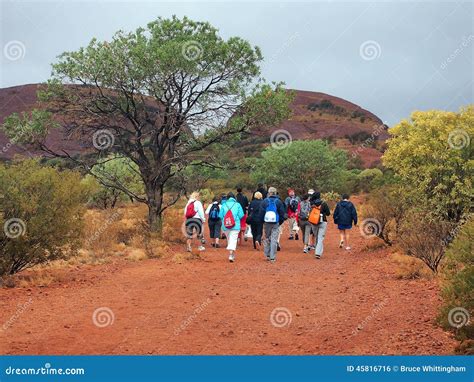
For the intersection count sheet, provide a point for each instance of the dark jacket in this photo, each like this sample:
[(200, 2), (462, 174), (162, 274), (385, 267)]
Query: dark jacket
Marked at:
[(243, 201), (280, 209), (262, 191), (254, 211), (345, 213), (324, 207)]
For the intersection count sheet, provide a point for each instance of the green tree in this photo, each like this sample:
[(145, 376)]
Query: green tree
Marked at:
[(164, 94), (41, 212), (113, 170), (458, 285), (301, 165), (432, 155)]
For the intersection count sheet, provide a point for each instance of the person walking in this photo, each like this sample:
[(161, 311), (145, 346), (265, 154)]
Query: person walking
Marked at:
[(244, 203), (214, 222), (272, 215), (318, 220), (291, 205), (304, 208), (194, 219), (253, 219), (260, 188), (344, 215), (231, 214)]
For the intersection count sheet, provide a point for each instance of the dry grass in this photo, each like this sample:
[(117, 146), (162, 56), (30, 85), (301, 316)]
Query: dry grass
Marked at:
[(409, 267), (373, 244), (108, 235)]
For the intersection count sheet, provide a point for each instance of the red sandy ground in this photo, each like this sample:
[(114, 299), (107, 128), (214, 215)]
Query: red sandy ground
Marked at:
[(210, 306)]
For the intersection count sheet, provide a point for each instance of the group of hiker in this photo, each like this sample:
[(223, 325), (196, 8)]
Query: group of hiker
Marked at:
[(232, 217)]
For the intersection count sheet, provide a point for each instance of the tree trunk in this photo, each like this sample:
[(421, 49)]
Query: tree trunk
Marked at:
[(154, 202)]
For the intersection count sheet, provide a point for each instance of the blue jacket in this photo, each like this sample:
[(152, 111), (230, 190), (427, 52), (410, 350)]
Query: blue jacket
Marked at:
[(280, 209), (237, 212), (345, 213)]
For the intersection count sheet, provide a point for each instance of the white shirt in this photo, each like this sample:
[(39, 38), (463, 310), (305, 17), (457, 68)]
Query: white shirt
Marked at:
[(198, 208)]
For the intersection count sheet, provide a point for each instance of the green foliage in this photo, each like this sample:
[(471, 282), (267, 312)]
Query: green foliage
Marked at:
[(28, 128), (301, 165), (433, 158), (458, 285), (167, 93), (49, 206), (369, 179), (112, 171), (387, 206)]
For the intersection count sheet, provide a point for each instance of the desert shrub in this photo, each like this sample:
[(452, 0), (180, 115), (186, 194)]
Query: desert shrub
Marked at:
[(385, 208), (331, 198), (369, 179), (458, 283), (303, 165), (432, 156), (421, 236), (409, 267), (41, 212)]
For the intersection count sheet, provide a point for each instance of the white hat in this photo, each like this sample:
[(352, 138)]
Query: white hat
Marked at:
[(311, 191)]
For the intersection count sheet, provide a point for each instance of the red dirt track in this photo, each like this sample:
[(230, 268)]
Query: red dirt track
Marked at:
[(210, 306)]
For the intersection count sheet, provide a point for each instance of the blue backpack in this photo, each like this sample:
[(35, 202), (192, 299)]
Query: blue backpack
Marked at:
[(214, 212), (271, 212)]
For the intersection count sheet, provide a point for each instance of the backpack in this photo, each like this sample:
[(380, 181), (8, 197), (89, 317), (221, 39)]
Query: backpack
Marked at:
[(271, 213), (190, 211), (214, 212), (305, 209), (229, 221), (315, 215), (293, 204)]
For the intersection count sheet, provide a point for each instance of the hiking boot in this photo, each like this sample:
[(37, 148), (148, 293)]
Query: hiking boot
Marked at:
[(272, 261), (278, 247), (297, 237), (201, 248), (257, 245), (305, 250), (188, 248), (348, 248), (317, 257), (312, 247), (217, 246), (341, 244), (291, 238), (231, 258)]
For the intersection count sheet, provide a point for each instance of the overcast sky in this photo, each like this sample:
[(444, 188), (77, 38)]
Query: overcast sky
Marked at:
[(388, 57)]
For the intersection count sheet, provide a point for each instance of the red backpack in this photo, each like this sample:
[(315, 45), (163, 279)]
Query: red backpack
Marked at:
[(190, 211), (229, 221)]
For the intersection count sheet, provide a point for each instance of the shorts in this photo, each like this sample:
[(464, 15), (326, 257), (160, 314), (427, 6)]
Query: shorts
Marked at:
[(193, 228), (344, 226), (215, 228)]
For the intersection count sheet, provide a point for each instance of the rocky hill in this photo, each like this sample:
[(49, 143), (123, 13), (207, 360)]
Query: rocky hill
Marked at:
[(315, 116)]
